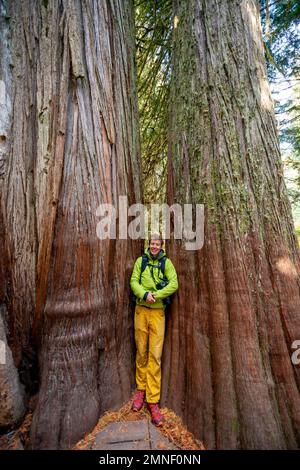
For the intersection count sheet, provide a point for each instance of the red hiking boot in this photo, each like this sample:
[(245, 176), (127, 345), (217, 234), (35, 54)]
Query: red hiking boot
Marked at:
[(138, 400), (157, 417)]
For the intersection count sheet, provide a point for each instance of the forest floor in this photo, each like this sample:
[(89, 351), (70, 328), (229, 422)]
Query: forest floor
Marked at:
[(172, 429)]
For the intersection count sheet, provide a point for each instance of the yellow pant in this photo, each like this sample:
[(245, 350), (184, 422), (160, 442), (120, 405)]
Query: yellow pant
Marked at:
[(149, 328)]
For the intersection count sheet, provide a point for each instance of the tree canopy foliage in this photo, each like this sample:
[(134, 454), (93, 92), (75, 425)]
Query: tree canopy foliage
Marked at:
[(153, 39)]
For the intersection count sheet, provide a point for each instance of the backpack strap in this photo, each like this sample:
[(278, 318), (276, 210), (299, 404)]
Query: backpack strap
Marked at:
[(162, 265), (143, 265)]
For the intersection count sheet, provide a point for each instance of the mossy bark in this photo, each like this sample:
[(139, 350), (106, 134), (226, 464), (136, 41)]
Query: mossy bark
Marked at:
[(227, 359)]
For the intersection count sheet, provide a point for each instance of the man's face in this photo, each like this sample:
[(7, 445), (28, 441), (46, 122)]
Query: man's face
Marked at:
[(155, 246)]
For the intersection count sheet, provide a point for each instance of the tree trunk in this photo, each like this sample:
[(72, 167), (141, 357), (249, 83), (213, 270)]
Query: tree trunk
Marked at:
[(12, 395), (227, 356), (71, 143)]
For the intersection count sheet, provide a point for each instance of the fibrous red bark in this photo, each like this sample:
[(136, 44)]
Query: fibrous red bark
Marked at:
[(72, 145)]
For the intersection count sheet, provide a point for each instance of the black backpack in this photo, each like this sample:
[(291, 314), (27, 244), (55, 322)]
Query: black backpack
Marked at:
[(161, 268)]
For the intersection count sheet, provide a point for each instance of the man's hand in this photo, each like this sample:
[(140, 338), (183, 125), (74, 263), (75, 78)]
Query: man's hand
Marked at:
[(150, 298)]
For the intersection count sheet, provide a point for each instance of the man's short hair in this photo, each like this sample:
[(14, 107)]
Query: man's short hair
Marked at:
[(156, 236)]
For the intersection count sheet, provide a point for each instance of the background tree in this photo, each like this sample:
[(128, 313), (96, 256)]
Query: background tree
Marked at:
[(153, 21), (281, 34), (227, 366), (69, 142)]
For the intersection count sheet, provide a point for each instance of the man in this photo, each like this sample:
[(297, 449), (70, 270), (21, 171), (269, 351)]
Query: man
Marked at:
[(152, 282)]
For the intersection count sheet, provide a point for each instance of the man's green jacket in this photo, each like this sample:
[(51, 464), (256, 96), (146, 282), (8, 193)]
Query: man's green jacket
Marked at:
[(148, 284)]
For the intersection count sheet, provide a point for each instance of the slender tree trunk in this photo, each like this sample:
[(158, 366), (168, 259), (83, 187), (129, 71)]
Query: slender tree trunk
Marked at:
[(71, 143), (227, 359)]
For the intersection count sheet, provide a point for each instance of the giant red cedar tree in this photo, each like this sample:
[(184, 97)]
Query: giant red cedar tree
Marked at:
[(227, 357), (69, 142)]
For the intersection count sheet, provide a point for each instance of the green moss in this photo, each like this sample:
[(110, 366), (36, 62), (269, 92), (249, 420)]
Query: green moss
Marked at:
[(235, 425), (225, 191), (297, 230)]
